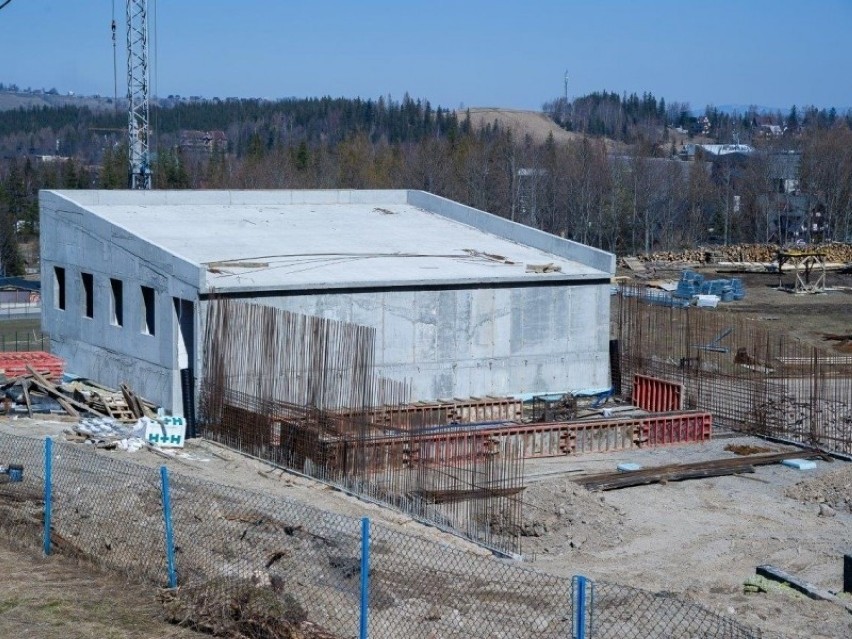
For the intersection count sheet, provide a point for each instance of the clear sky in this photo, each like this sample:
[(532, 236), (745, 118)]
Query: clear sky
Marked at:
[(503, 53)]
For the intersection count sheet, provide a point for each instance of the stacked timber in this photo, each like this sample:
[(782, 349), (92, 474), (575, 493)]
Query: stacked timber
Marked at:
[(834, 252)]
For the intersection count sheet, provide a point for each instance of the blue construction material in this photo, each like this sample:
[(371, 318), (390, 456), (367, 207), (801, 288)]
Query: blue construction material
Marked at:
[(48, 491), (689, 285), (727, 290), (167, 518), (799, 464), (365, 578), (600, 398), (628, 467), (738, 288)]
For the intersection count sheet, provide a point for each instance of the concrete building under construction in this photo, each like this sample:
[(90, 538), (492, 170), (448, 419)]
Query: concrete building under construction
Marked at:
[(463, 303)]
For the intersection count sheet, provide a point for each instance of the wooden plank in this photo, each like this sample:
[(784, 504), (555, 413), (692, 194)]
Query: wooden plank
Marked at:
[(697, 470), (637, 478), (634, 264), (51, 390), (132, 403), (776, 574)]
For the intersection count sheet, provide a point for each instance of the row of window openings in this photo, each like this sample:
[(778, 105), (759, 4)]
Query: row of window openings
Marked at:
[(116, 299)]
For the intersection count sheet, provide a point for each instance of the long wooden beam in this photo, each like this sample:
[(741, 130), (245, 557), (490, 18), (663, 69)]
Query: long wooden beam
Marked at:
[(696, 470)]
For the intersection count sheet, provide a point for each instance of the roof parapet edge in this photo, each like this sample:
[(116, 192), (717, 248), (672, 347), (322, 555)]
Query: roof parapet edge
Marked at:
[(514, 231)]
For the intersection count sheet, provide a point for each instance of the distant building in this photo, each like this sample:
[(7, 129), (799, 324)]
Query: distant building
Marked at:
[(18, 291), (48, 159), (771, 130), (203, 141), (690, 151), (790, 214)]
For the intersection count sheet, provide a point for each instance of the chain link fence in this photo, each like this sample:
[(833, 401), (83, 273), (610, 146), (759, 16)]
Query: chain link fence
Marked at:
[(254, 565)]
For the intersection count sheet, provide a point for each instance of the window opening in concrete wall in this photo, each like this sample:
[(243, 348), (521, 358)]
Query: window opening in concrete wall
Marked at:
[(148, 319), (185, 331), (59, 287), (88, 294), (117, 302)]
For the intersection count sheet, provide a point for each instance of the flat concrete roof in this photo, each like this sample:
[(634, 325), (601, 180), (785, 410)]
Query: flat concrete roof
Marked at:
[(274, 240)]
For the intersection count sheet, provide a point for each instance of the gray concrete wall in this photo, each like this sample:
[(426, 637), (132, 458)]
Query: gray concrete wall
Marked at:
[(80, 241), (463, 343), (447, 343), (234, 198)]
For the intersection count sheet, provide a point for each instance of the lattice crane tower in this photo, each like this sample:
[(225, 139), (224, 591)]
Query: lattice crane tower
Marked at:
[(137, 93)]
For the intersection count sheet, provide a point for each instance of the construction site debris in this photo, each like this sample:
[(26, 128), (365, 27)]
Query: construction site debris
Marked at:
[(744, 449), (13, 364), (707, 301), (32, 392), (758, 583), (799, 464), (833, 488), (257, 609), (634, 264), (698, 470), (560, 517), (544, 268), (628, 467), (776, 574)]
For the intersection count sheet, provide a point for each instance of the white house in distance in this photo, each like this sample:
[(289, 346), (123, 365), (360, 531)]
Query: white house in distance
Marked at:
[(465, 303)]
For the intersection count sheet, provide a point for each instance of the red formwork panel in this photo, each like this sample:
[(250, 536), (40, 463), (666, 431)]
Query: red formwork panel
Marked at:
[(657, 395), (14, 364), (553, 439), (663, 430)]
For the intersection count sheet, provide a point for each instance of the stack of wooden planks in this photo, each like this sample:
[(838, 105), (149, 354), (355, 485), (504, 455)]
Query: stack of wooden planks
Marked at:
[(697, 470)]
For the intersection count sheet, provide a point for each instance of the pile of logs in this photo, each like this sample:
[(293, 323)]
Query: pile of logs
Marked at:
[(834, 252)]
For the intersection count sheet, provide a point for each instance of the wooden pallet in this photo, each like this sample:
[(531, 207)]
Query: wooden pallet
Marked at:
[(112, 406)]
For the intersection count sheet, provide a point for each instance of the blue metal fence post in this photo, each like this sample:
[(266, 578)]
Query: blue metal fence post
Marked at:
[(48, 491), (365, 577), (167, 518), (583, 596)]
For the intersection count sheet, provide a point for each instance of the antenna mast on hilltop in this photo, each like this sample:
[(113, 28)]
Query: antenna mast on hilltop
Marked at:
[(566, 87), (137, 93)]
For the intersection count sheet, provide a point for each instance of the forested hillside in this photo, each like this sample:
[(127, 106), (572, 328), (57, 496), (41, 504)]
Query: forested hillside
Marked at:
[(646, 195)]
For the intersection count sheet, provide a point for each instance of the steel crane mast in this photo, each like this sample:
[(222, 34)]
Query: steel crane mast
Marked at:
[(137, 93)]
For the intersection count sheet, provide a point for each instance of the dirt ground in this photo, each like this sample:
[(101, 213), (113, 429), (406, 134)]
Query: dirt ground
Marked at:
[(701, 539), (805, 316), (57, 598)]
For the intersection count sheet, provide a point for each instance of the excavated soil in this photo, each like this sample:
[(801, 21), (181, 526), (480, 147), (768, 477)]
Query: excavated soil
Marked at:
[(834, 489)]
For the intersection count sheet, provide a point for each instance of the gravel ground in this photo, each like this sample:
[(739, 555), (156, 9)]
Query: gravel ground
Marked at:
[(701, 539)]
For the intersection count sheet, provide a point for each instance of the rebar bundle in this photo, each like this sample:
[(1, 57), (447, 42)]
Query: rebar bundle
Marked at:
[(304, 392), (752, 379)]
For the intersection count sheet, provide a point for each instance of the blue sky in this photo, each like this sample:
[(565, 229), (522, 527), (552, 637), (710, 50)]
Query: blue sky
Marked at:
[(478, 53)]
